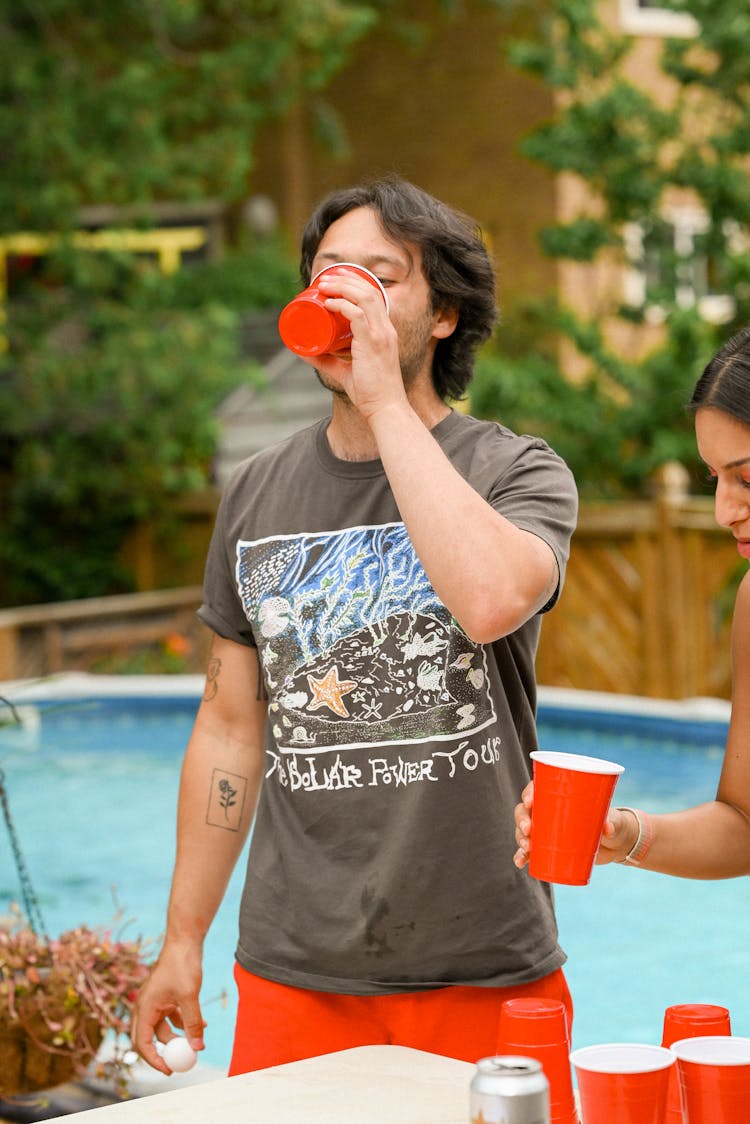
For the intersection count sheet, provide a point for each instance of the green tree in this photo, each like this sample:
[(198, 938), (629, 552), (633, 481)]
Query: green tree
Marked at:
[(108, 414), (127, 102), (108, 395), (622, 418), (111, 374)]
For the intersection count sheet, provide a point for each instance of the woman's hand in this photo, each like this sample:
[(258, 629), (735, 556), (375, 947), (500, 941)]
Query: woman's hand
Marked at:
[(522, 815), (618, 837)]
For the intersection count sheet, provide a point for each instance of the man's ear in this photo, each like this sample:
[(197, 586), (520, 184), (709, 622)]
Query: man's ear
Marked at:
[(446, 320)]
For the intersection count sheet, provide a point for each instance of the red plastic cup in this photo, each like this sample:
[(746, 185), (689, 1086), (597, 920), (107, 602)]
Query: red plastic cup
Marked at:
[(623, 1082), (689, 1020), (538, 1028), (307, 327), (714, 1076), (572, 795)]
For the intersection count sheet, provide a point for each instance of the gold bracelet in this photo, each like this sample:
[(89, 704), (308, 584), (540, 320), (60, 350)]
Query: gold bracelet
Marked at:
[(642, 845)]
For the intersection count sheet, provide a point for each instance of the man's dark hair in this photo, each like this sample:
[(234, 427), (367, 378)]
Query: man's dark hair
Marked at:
[(455, 263), (725, 382)]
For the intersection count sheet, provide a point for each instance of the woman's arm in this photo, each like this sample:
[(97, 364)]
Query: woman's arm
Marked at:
[(711, 840)]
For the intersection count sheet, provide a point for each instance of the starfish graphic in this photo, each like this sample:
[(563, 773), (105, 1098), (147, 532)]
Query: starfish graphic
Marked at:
[(329, 690)]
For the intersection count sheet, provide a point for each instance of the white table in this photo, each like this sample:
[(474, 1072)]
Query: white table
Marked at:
[(369, 1085)]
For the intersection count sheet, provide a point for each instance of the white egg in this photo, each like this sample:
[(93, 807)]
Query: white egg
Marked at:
[(179, 1055)]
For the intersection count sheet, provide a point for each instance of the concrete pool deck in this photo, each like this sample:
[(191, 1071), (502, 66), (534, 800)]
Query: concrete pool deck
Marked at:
[(84, 684)]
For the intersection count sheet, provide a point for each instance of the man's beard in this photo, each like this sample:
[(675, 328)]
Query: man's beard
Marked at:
[(414, 349)]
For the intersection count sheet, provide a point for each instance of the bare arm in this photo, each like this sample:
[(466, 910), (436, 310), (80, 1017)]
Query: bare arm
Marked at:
[(491, 574), (219, 786), (711, 840)]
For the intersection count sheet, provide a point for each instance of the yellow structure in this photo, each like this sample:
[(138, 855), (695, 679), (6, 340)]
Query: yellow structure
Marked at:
[(168, 244)]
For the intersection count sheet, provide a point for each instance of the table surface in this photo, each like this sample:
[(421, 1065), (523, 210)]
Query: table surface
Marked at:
[(369, 1085)]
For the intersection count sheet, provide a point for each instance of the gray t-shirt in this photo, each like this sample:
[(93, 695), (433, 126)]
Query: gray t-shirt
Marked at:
[(395, 747)]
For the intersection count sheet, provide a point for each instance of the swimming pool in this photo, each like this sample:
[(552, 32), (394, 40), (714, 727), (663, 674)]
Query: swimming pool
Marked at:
[(92, 781)]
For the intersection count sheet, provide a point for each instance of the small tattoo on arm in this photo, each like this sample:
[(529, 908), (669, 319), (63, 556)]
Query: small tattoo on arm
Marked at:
[(226, 800), (212, 679)]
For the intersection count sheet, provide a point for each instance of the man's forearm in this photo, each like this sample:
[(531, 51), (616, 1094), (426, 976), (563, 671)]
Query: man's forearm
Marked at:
[(490, 574), (218, 792)]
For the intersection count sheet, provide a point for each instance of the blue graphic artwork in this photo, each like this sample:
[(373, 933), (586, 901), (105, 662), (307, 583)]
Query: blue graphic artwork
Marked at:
[(356, 647)]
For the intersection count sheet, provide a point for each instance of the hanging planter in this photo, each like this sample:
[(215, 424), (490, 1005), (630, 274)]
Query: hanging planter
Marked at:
[(29, 1064), (58, 998)]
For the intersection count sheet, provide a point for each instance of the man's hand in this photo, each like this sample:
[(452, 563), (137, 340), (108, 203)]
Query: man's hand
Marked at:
[(169, 998), (374, 378)]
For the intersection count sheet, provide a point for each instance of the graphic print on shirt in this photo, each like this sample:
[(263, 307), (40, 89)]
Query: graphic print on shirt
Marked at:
[(356, 647)]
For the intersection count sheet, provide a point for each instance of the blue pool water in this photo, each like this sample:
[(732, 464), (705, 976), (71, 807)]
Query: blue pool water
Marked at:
[(92, 785)]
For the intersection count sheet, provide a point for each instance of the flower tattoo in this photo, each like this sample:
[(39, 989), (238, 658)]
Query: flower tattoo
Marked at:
[(226, 800)]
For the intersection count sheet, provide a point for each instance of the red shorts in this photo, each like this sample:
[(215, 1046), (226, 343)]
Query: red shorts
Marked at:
[(278, 1024)]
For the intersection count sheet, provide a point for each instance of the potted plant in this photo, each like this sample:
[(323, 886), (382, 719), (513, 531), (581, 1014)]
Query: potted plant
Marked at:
[(59, 998)]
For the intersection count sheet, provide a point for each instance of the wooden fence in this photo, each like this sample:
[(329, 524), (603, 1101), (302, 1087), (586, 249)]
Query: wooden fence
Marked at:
[(647, 604), (38, 640), (646, 608)]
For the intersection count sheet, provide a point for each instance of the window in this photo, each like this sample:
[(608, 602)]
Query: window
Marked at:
[(649, 17), (671, 262)]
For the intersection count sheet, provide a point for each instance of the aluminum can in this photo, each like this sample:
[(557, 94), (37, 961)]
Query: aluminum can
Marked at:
[(509, 1090)]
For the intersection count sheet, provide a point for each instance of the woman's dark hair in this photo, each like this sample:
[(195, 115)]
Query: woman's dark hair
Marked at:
[(725, 382), (455, 264)]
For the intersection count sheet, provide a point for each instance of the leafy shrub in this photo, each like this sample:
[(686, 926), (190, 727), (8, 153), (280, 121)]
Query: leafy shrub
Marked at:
[(615, 425), (108, 391)]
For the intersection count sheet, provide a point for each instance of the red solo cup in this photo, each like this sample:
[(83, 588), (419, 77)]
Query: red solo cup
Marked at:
[(623, 1082), (572, 795), (538, 1028), (307, 327), (714, 1076), (689, 1020)]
